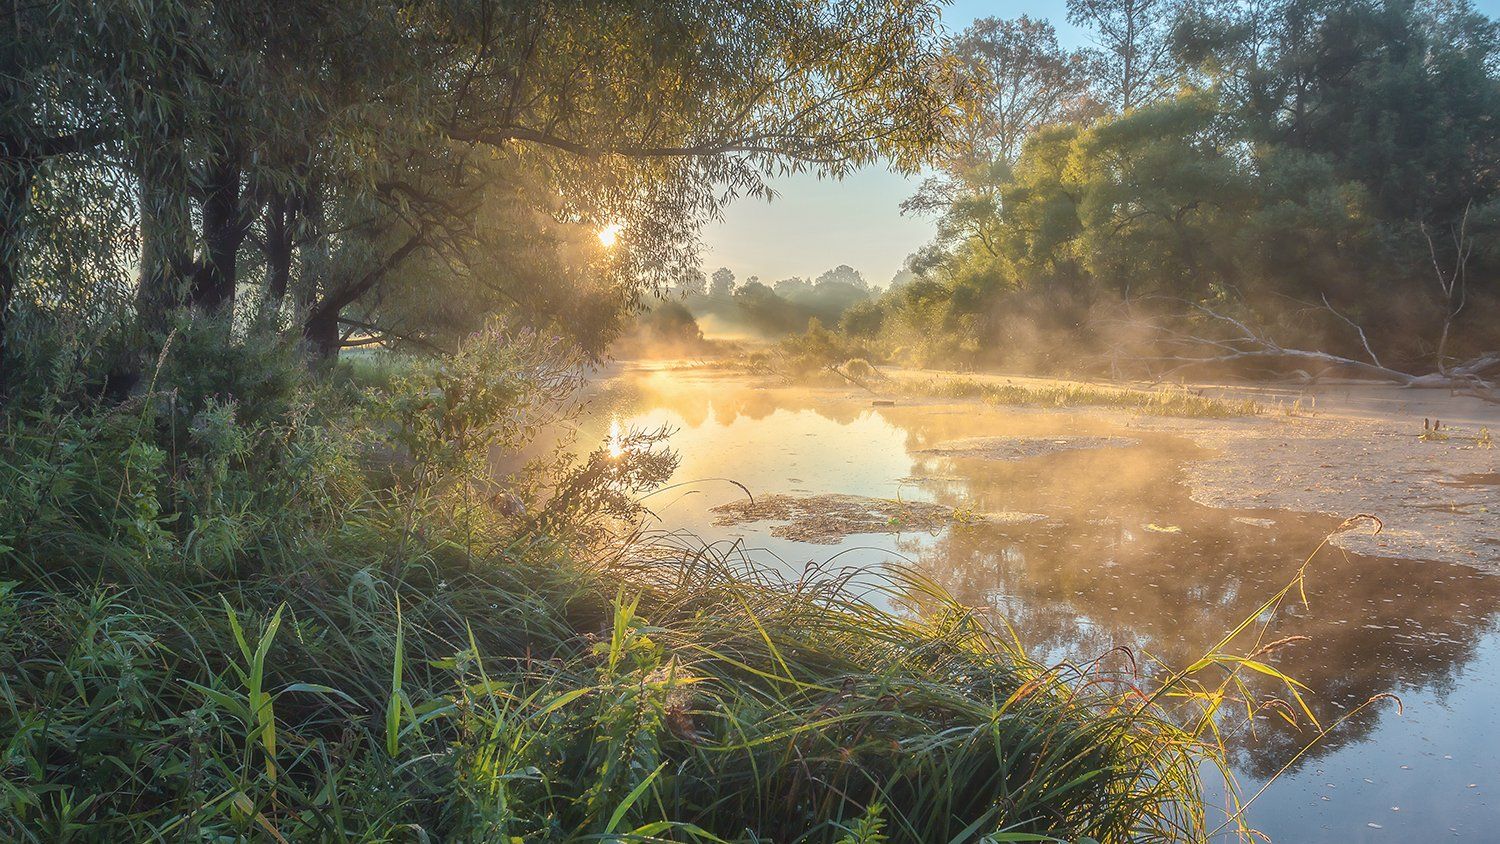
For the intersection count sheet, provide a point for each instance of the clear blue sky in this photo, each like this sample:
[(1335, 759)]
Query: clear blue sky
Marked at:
[(816, 224)]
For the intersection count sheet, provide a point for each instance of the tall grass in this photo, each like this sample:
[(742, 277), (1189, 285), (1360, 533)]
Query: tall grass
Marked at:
[(299, 620), (536, 699)]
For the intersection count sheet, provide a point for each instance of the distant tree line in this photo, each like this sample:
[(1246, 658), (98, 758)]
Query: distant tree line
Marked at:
[(778, 308), (1296, 184)]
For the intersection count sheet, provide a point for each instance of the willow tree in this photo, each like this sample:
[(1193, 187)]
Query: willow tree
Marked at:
[(138, 140), (365, 162), (81, 87), (646, 118)]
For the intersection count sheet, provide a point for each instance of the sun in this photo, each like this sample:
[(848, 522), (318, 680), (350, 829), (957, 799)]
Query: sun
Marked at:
[(609, 235)]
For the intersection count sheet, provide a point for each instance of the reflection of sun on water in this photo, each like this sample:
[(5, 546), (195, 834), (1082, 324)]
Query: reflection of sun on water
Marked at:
[(616, 439)]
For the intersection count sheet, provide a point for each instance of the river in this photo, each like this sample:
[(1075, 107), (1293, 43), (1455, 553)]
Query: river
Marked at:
[(1103, 547)]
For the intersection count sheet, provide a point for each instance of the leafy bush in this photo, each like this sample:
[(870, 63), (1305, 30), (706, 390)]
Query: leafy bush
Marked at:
[(817, 349), (668, 329)]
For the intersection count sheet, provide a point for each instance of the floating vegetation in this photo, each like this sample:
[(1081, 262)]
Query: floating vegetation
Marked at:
[(827, 519), (1432, 431), (966, 518), (1020, 448)]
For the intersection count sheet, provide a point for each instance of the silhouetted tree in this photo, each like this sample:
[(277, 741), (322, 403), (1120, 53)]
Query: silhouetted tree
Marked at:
[(723, 282)]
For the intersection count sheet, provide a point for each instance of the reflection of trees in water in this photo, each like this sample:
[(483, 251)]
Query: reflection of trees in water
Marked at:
[(697, 397), (1093, 577)]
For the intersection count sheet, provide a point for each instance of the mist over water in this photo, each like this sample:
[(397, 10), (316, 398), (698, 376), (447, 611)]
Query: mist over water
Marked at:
[(1100, 548)]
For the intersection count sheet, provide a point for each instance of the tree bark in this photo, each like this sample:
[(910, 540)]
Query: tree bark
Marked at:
[(320, 328), (280, 215), (215, 278), (321, 333), (15, 179)]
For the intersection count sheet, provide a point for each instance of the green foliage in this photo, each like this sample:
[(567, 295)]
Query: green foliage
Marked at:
[(817, 349), (785, 309), (731, 706), (1299, 166), (318, 621), (383, 172), (242, 597), (862, 320), (765, 311), (667, 329), (705, 719), (448, 413)]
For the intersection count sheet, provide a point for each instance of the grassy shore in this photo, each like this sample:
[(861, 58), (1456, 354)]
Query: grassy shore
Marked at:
[(1163, 401), (308, 614)]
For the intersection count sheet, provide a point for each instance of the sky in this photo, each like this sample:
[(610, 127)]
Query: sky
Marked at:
[(816, 224)]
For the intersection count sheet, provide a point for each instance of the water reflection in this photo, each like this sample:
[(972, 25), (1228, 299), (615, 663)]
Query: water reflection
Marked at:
[(1125, 557)]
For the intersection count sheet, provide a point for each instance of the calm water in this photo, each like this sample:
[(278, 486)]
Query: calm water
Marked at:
[(1092, 576)]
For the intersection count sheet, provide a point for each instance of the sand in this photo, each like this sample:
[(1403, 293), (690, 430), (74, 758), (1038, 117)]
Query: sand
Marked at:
[(1430, 494)]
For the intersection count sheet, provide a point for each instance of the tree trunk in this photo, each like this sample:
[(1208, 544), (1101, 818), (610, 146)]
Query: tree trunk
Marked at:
[(223, 231), (279, 218), (321, 332), (320, 327)]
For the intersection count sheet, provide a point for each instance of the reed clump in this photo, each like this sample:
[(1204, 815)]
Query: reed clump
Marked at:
[(665, 696)]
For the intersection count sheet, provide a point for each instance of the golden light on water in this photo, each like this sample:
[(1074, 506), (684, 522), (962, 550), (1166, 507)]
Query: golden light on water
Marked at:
[(609, 235), (616, 439)]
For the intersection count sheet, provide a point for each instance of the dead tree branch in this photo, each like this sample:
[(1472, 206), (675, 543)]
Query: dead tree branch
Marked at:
[(1453, 285), (1242, 343)]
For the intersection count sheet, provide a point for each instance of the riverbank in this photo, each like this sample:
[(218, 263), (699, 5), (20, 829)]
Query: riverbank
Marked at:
[(317, 616)]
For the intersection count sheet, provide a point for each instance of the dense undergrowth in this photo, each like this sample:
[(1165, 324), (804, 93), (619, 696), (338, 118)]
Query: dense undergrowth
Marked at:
[(246, 602)]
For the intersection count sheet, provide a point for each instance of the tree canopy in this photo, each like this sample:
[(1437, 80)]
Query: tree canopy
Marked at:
[(394, 170), (1310, 173)]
